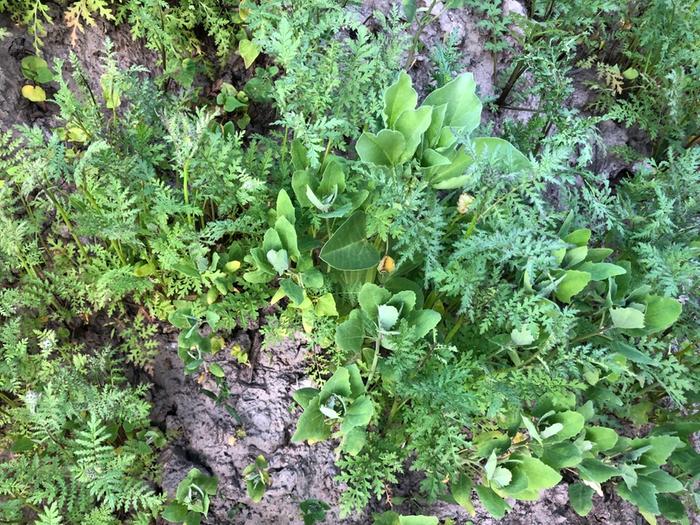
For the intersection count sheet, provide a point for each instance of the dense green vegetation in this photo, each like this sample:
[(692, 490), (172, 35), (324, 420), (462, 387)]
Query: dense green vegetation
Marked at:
[(491, 312)]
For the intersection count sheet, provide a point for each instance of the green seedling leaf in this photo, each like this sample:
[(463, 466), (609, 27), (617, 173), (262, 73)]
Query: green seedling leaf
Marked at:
[(627, 318), (312, 425), (423, 321), (279, 260), (350, 334), (36, 69), (630, 73), (578, 237), (581, 498), (492, 502), (604, 438), (175, 512), (661, 313), (216, 370), (461, 490), (325, 306), (573, 283), (630, 352), (671, 508), (348, 249), (285, 208), (371, 297), (249, 51), (595, 470), (562, 455), (412, 124), (663, 481), (500, 154), (359, 414), (463, 106), (383, 149), (400, 96), (293, 290), (313, 511), (601, 271), (643, 495), (540, 476)]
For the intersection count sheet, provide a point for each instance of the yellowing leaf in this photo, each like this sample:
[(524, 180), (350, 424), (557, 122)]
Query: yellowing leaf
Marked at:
[(33, 93), (249, 51)]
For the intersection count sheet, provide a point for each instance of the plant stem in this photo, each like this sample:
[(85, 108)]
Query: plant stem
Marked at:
[(375, 361)]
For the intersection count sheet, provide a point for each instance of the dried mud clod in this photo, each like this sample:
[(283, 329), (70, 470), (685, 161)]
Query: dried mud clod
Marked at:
[(209, 438)]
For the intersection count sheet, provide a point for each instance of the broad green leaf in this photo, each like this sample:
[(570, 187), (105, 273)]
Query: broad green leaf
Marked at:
[(595, 470), (572, 283), (293, 290), (348, 249), (301, 180), (455, 175), (437, 119), (285, 208), (671, 508), (353, 441), (630, 352), (370, 297), (501, 154), (600, 271), (34, 93), (663, 481), (279, 260), (603, 437), (350, 334), (492, 502), (175, 512), (288, 236), (399, 97), (661, 448), (627, 318), (581, 498), (216, 370), (35, 68), (249, 51), (423, 321), (311, 426), (578, 237), (383, 149), (271, 241), (463, 106), (598, 254), (412, 124), (312, 278), (643, 495), (338, 384), (552, 430), (501, 477), (359, 414), (661, 313), (303, 396), (561, 455), (357, 387), (461, 490), (540, 476), (405, 301)]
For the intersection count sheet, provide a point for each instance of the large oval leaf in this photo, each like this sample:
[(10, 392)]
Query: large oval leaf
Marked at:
[(348, 249)]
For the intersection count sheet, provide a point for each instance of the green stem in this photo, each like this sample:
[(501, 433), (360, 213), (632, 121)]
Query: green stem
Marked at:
[(375, 361), (185, 188)]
